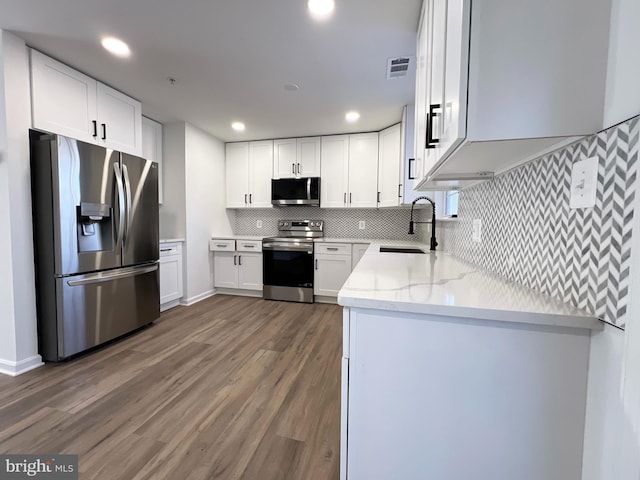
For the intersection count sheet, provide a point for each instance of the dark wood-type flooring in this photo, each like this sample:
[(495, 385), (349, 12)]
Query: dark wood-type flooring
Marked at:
[(231, 387)]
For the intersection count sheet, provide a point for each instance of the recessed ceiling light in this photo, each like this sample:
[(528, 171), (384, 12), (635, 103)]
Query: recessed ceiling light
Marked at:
[(321, 8), (352, 116), (238, 126), (116, 47), (291, 87)]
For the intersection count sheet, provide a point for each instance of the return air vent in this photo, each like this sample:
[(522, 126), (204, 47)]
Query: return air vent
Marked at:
[(399, 67)]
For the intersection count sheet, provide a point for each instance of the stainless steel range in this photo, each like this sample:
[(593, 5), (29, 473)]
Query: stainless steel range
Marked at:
[(288, 261)]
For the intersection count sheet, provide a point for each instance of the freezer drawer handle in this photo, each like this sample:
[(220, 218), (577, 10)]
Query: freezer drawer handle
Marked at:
[(107, 277)]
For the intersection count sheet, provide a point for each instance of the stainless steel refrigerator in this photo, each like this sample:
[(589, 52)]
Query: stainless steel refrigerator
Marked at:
[(95, 216)]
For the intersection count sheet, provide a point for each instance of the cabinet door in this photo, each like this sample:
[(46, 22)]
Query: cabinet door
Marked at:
[(260, 173), (152, 147), (308, 164), (225, 269), (250, 271), (120, 121), (420, 107), (334, 171), (389, 167), (454, 124), (170, 278), (284, 158), (435, 87), (331, 271), (63, 99), (363, 170), (237, 174)]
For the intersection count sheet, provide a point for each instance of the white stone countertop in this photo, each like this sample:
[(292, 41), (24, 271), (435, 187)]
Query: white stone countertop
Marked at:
[(441, 284), (171, 240), (238, 237), (378, 241)]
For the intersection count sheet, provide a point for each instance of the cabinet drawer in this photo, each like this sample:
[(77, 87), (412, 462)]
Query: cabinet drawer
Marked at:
[(222, 245), (333, 248), (169, 250), (248, 245)]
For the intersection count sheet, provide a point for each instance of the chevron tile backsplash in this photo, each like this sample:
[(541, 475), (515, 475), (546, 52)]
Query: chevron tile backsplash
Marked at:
[(388, 224), (530, 235)]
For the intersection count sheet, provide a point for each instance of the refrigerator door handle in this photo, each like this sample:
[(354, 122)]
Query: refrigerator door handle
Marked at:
[(109, 276), (121, 206), (127, 188)]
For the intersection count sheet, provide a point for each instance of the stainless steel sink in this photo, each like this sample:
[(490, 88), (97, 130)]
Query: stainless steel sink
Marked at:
[(400, 250)]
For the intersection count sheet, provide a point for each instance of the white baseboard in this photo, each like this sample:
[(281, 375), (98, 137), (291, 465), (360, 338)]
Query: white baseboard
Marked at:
[(190, 301), (169, 305), (23, 366)]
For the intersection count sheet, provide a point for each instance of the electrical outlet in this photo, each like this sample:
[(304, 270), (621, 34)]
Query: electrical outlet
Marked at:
[(584, 183), (361, 224), (477, 230), (258, 223)]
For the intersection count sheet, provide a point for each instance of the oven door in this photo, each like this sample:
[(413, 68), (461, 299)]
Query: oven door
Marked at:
[(288, 264)]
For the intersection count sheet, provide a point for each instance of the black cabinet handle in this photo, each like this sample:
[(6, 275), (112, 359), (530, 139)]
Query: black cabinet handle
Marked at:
[(431, 140), (411, 175), (378, 197), (350, 198), (234, 260), (240, 260), (293, 168), (95, 128), (298, 169), (104, 131), (316, 263), (399, 190), (345, 199), (245, 198), (250, 198)]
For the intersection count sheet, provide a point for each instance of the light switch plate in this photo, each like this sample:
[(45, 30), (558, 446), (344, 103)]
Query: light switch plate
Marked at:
[(258, 223), (476, 235), (361, 224), (584, 183)]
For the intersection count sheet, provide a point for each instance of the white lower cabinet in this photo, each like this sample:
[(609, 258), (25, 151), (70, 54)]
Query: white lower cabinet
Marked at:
[(170, 275), (332, 264), (237, 264)]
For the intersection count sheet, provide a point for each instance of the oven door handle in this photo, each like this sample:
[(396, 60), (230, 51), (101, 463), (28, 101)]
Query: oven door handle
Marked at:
[(287, 247)]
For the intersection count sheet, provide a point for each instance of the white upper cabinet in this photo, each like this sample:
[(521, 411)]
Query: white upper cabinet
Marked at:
[(498, 86), (69, 103), (390, 172), (63, 99), (260, 172), (120, 121), (363, 170), (152, 148), (248, 174), (334, 179), (349, 175), (296, 157)]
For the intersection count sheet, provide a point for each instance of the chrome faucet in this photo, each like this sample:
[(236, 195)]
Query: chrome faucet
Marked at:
[(434, 244)]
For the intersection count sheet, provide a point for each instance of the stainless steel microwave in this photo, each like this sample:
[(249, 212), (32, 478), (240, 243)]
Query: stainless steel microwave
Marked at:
[(296, 191)]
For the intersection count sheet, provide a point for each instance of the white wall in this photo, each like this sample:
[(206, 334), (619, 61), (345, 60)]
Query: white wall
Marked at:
[(18, 350), (173, 209), (622, 100), (206, 215), (194, 199)]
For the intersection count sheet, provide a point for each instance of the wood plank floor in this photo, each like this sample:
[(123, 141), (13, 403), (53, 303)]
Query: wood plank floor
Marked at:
[(229, 388)]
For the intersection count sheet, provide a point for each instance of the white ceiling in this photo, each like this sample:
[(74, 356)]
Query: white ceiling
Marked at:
[(232, 58)]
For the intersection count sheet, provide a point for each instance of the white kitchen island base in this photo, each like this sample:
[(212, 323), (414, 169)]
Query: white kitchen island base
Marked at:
[(445, 398)]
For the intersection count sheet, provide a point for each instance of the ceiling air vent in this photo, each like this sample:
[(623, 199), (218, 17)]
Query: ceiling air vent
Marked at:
[(399, 67)]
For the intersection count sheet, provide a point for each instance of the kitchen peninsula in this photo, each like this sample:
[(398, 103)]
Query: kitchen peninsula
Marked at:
[(452, 372)]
